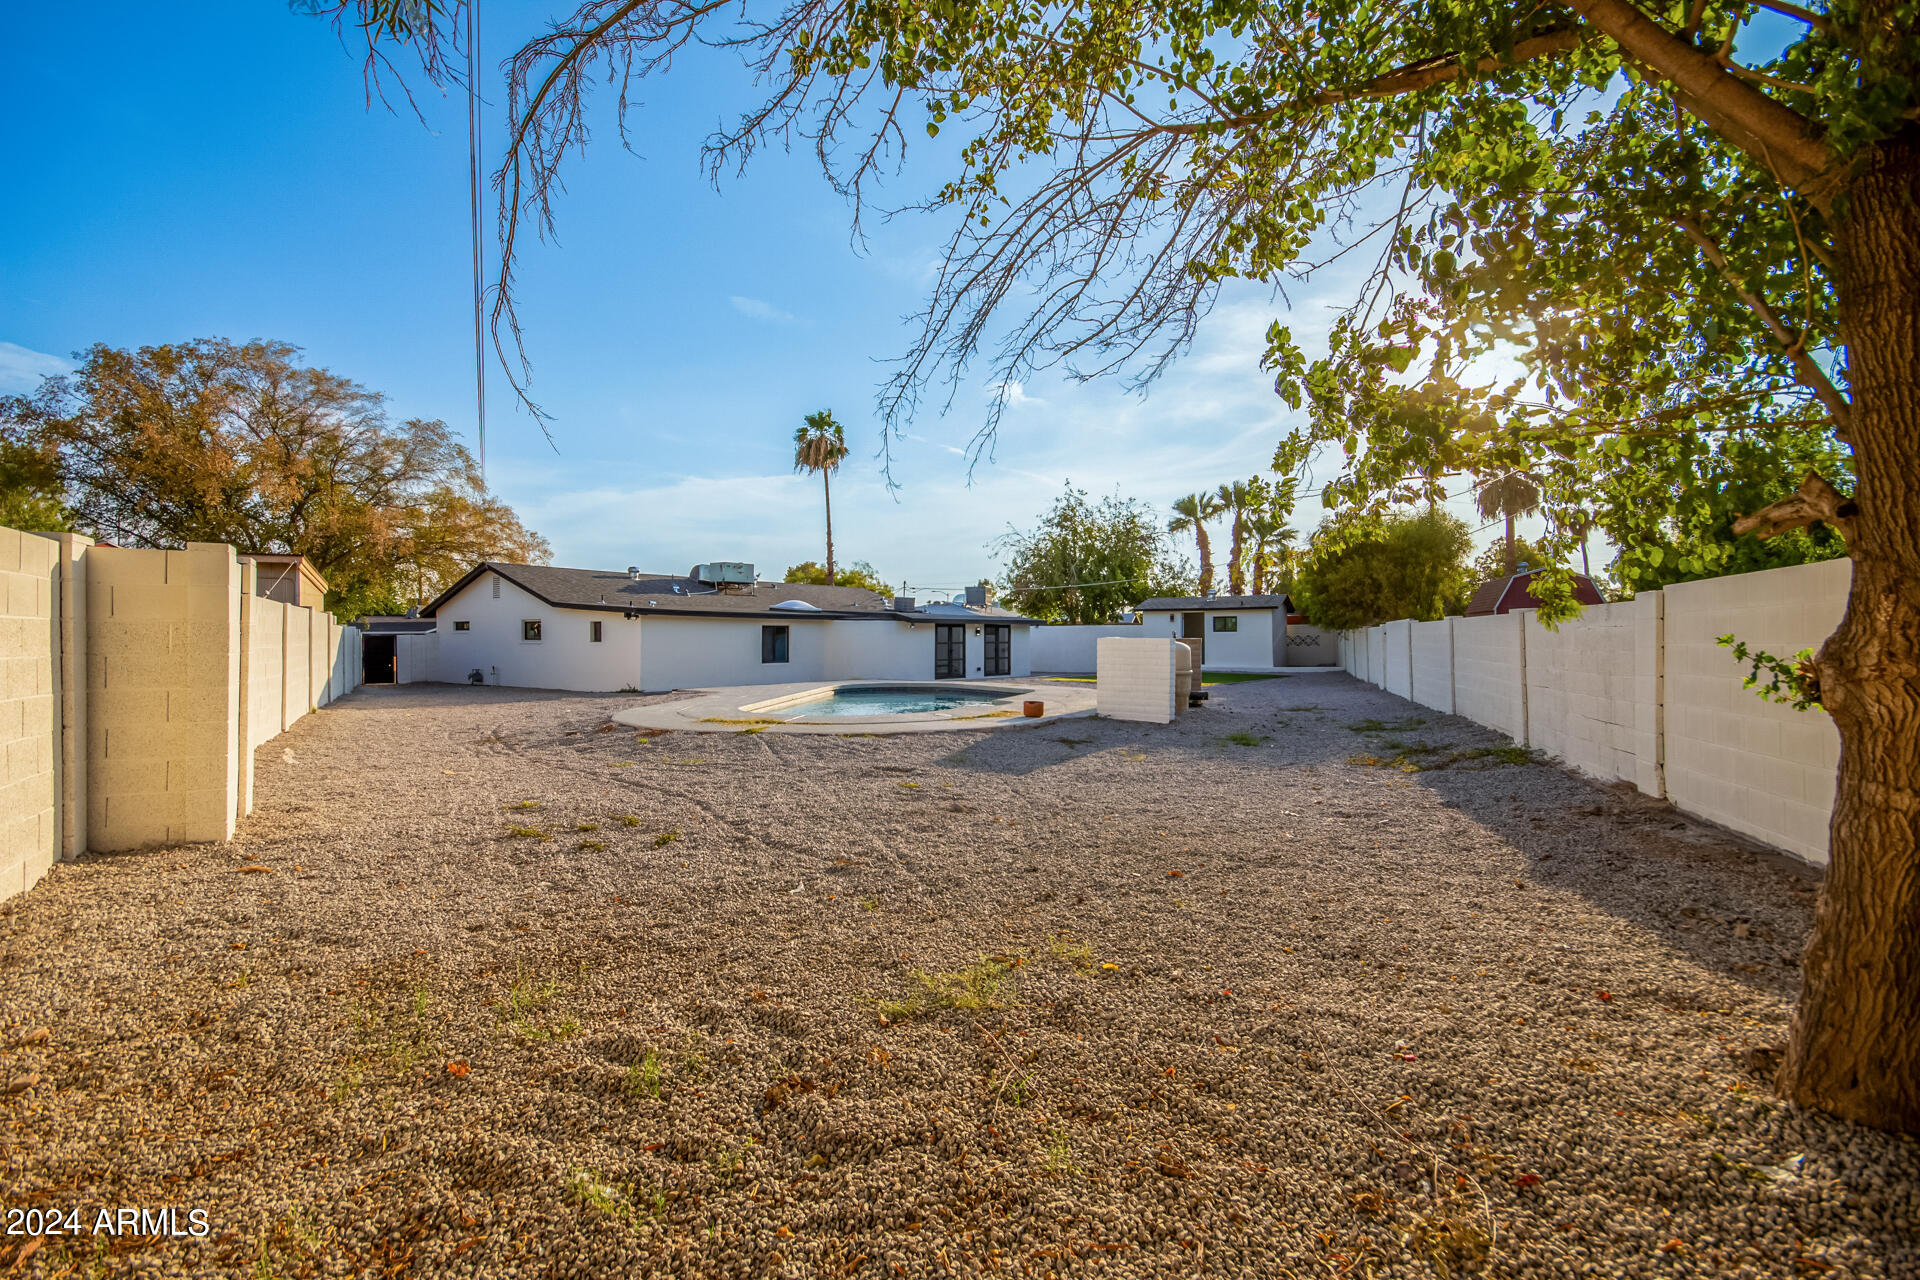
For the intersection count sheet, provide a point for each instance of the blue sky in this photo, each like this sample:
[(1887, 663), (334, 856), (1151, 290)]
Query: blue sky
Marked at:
[(214, 169)]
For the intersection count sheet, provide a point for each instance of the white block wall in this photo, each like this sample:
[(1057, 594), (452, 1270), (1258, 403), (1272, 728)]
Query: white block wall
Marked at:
[(1310, 646), (29, 709), (1432, 649), (1136, 679), (1752, 765), (1489, 666), (1396, 659), (1642, 691), (1582, 691), (1074, 650)]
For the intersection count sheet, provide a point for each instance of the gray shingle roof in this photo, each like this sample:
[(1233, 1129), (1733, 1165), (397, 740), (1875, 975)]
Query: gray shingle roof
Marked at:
[(606, 588), (1175, 603)]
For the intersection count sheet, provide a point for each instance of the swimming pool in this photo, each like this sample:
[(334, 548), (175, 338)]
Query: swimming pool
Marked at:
[(890, 700)]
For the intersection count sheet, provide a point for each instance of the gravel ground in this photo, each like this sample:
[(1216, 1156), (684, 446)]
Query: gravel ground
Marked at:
[(1297, 987)]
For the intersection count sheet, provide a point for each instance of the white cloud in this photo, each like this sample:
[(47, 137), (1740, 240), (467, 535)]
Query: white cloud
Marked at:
[(21, 368), (755, 308)]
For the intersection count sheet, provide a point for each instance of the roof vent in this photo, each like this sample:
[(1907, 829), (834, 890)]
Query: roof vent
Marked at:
[(901, 604), (633, 573)]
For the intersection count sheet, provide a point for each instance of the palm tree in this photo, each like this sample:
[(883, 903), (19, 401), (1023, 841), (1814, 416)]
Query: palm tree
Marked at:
[(819, 446), (1267, 529), (1194, 511), (1235, 499), (1509, 495)]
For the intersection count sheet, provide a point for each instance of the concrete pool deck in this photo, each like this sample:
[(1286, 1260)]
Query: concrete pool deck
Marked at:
[(782, 708)]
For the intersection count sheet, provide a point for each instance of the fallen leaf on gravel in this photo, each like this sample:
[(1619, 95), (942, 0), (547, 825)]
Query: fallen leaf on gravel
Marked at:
[(1606, 995), (22, 1084), (39, 1035), (1674, 1246), (458, 1070), (255, 869), (1175, 875), (27, 1250), (1527, 1180)]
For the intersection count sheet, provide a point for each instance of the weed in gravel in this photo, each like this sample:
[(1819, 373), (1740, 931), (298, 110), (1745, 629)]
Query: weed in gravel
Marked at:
[(1057, 1158), (1074, 742), (586, 826), (592, 846), (1245, 739), (1062, 946), (1308, 707), (528, 1012), (978, 988), (1406, 724), (644, 1076), (1016, 1090), (605, 1196), (1423, 757), (628, 820), (522, 804), (528, 833), (869, 904), (1449, 1243), (666, 838)]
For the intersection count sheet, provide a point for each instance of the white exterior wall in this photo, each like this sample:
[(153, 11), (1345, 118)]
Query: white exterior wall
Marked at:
[(1431, 645), (1073, 650), (1758, 767), (1251, 645), (1489, 672), (1137, 679), (1396, 662), (30, 710), (704, 653), (563, 658)]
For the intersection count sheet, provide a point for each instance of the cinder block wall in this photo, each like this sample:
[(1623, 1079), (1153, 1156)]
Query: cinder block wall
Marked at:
[(1432, 647), (1643, 691), (1136, 679), (1731, 757), (1489, 673), (1396, 659), (29, 709), (163, 668)]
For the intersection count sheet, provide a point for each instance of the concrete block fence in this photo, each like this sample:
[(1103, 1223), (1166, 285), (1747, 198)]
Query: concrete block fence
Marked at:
[(1642, 692), (134, 687)]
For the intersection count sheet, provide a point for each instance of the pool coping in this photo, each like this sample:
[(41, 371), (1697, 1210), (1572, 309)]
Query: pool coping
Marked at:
[(757, 709)]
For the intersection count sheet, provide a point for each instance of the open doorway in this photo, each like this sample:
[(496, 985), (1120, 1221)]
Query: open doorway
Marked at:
[(376, 659), (1193, 630)]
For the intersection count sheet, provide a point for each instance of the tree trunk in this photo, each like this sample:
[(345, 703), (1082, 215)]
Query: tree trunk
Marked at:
[(1236, 579), (1206, 557), (826, 479), (1512, 568), (1855, 1047)]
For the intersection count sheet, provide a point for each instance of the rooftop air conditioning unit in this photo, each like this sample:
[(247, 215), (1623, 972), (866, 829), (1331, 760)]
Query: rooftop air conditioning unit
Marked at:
[(977, 597), (903, 604), (724, 571)]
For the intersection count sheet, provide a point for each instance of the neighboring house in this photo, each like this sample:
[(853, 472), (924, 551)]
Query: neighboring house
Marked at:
[(537, 626), (1254, 632), (1502, 595), (288, 579)]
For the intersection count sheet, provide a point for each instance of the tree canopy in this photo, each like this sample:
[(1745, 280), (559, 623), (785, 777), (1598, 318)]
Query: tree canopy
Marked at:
[(1361, 573), (216, 441), (858, 574), (1088, 562)]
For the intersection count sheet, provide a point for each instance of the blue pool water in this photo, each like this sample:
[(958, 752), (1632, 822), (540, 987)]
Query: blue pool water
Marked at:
[(881, 700)]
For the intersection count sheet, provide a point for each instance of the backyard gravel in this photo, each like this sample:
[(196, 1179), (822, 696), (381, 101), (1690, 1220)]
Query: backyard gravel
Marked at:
[(1312, 983)]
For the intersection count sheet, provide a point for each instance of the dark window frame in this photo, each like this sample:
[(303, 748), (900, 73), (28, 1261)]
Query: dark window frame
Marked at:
[(529, 631), (776, 644), (594, 634), (463, 626), (998, 644), (1231, 621)]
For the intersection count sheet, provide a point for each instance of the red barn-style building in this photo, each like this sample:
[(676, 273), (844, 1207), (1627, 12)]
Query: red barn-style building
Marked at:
[(1503, 595)]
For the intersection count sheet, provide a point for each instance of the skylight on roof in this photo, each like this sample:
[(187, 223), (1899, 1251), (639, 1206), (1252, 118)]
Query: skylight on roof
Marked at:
[(798, 606)]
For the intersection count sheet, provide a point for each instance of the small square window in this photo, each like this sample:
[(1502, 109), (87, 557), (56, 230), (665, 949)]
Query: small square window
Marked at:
[(1226, 624), (530, 629), (463, 626), (773, 644), (593, 630)]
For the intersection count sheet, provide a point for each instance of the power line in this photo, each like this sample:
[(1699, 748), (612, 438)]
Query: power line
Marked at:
[(473, 193)]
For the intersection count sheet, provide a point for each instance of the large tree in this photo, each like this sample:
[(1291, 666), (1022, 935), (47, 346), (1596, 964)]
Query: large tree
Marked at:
[(1360, 572), (1190, 515), (1679, 223), (819, 446), (1088, 561), (858, 574), (217, 441)]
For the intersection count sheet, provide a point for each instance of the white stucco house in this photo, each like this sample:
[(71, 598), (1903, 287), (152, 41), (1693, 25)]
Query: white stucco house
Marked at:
[(542, 627), (1244, 633)]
